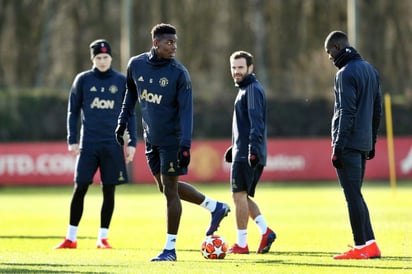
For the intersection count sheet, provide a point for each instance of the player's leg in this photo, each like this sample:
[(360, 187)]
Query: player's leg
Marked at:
[(218, 210), (369, 234), (77, 203), (85, 168), (107, 209), (190, 194), (163, 164), (350, 178), (240, 175), (174, 205), (268, 236), (112, 172), (371, 247), (168, 186), (106, 214)]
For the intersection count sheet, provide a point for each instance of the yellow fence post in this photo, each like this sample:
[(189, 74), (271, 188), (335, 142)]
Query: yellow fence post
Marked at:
[(390, 142)]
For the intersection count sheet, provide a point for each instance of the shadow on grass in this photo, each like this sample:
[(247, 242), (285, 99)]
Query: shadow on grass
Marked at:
[(20, 268), (36, 237), (268, 258), (330, 254)]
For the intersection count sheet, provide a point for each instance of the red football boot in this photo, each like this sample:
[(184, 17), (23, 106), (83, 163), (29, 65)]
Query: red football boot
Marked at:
[(103, 243), (66, 244)]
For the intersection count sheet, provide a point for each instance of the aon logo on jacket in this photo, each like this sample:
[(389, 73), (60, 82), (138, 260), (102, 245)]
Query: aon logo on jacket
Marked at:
[(102, 104), (151, 97)]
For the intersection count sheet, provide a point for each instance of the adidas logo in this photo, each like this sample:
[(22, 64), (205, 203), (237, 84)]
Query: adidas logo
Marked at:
[(140, 79)]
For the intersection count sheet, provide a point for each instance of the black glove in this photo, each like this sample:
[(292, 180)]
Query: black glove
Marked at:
[(337, 158), (253, 160), (371, 154), (183, 157), (119, 133), (228, 155)]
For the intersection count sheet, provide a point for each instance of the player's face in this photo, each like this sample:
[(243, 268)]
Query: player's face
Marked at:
[(166, 46), (240, 69), (331, 50), (102, 61)]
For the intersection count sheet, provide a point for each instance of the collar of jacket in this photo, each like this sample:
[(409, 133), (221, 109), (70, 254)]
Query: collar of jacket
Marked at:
[(155, 60), (345, 55), (250, 78), (104, 74)]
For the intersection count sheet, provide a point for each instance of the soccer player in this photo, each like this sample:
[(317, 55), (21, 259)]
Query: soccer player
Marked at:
[(248, 151), (162, 86), (355, 123), (97, 95)]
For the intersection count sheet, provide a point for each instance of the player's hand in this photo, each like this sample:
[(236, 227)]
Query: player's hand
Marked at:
[(228, 155), (337, 158), (74, 149), (119, 133), (183, 156), (130, 154), (253, 160), (371, 154)]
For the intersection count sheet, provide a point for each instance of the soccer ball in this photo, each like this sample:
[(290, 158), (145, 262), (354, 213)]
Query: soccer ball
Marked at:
[(214, 247)]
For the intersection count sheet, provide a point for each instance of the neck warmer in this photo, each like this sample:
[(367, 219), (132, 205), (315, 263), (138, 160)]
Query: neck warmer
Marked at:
[(345, 55)]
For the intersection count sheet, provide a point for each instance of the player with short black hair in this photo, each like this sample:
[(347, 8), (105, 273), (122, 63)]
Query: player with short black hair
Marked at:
[(355, 122), (163, 87)]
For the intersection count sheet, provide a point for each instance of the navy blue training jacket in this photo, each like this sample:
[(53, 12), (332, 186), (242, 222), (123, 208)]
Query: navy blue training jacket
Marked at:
[(97, 97), (249, 121), (358, 102), (164, 90)]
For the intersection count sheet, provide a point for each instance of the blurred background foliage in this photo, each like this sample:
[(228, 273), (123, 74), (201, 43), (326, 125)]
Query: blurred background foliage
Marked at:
[(44, 44)]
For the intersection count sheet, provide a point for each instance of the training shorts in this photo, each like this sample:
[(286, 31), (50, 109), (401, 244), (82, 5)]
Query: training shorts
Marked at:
[(108, 157), (245, 178), (163, 160)]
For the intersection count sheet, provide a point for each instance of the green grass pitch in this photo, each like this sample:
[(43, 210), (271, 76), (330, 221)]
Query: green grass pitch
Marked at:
[(310, 219)]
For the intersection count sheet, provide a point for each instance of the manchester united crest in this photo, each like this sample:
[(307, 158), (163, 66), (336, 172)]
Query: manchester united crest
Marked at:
[(113, 89), (163, 82)]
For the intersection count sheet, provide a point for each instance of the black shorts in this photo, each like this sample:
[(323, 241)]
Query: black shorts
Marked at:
[(108, 157), (245, 178), (163, 160)]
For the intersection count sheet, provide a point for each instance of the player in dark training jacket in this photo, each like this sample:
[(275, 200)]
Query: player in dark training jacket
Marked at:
[(163, 88), (96, 96), (248, 152), (355, 123)]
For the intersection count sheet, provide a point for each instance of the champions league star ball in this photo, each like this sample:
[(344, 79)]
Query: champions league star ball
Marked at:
[(214, 247)]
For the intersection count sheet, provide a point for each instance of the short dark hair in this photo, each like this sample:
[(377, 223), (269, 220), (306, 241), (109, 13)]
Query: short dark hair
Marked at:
[(162, 28), (337, 37), (242, 54)]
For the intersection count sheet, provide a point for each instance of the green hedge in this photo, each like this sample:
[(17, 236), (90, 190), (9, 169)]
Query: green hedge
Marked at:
[(41, 116)]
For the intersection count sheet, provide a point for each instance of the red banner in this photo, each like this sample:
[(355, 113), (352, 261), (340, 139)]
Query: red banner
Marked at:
[(288, 160)]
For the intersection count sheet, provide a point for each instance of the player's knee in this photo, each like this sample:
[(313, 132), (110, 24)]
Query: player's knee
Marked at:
[(81, 189), (108, 189)]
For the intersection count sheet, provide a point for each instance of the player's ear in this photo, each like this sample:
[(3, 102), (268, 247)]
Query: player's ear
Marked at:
[(250, 68), (155, 43)]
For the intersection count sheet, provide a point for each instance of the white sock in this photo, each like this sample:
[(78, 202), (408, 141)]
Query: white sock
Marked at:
[(103, 232), (370, 242), (170, 241), (209, 204), (242, 237), (72, 233), (261, 223)]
